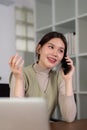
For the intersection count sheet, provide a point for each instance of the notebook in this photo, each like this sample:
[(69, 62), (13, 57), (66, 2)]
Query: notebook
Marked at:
[(23, 114)]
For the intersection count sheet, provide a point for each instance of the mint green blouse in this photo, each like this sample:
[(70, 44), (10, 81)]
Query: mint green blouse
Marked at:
[(32, 87), (54, 92)]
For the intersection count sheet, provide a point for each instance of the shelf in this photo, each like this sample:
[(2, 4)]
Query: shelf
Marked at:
[(68, 17), (68, 29), (82, 7), (41, 33), (82, 54), (43, 13), (83, 73), (64, 10), (44, 28), (65, 27), (82, 16), (74, 75), (82, 22), (82, 92), (83, 106)]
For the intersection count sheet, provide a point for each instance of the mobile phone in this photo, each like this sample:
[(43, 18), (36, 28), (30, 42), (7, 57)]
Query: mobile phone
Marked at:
[(66, 68)]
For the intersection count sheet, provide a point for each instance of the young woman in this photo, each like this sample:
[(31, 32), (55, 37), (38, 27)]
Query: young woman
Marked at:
[(40, 80)]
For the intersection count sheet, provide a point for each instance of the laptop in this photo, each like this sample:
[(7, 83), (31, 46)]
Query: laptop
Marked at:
[(23, 114)]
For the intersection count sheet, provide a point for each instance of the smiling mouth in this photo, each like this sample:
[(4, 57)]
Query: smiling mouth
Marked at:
[(52, 60)]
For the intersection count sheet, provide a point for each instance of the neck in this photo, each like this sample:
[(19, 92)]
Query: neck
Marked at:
[(41, 68)]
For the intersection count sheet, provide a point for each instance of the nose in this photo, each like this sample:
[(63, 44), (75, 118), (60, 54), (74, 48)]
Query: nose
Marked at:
[(55, 53)]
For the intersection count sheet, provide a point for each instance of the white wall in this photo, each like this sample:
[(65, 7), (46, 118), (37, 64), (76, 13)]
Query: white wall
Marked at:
[(7, 33), (26, 3), (7, 40)]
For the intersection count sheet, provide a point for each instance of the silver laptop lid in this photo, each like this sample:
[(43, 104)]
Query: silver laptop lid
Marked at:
[(23, 114)]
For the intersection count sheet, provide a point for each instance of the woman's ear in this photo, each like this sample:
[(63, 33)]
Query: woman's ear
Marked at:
[(38, 49)]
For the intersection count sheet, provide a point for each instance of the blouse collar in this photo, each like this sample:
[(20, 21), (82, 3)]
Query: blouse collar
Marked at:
[(39, 69)]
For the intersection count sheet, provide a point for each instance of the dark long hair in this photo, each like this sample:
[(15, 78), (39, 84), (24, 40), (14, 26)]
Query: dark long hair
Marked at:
[(47, 37)]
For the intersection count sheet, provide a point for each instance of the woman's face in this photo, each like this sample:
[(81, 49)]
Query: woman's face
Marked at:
[(51, 53)]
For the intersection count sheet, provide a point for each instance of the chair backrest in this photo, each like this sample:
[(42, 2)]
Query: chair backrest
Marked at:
[(4, 90)]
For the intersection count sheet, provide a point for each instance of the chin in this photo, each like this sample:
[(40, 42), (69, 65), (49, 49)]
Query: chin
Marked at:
[(51, 66)]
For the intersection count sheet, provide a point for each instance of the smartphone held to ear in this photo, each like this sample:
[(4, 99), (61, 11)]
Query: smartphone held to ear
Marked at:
[(66, 68)]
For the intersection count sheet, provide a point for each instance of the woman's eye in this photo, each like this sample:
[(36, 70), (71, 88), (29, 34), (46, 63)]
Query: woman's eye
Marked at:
[(51, 47), (62, 51)]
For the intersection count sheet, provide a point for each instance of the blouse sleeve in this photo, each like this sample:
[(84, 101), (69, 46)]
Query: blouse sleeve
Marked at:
[(66, 103), (12, 84)]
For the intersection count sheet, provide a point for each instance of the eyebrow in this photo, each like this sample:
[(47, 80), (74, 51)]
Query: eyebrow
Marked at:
[(54, 45)]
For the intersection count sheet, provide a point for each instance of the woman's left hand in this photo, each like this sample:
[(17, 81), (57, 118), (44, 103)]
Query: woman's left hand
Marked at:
[(70, 73)]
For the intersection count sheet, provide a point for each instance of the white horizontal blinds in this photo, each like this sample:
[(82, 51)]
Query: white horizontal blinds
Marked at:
[(24, 29)]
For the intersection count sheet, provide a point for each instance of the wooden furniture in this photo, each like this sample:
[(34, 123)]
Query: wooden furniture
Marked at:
[(76, 125)]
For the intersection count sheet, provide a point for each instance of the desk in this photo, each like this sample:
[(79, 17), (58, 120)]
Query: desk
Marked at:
[(76, 125)]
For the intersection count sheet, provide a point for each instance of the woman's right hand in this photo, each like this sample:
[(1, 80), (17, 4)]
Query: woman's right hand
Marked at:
[(16, 65)]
